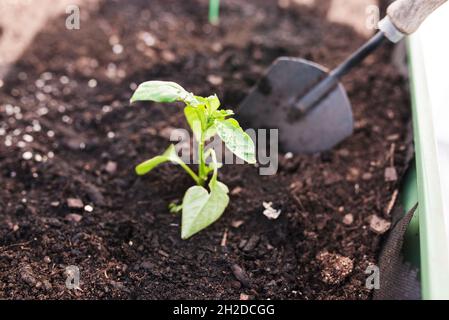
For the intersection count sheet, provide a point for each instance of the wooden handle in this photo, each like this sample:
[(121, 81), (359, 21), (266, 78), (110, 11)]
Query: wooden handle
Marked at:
[(407, 15)]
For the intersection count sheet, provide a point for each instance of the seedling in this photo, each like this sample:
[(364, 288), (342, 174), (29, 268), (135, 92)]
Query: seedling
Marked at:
[(200, 207), (214, 12)]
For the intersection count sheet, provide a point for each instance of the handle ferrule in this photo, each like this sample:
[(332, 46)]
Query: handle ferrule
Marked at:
[(389, 30)]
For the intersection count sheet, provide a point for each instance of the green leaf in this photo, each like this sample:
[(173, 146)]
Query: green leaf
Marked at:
[(200, 101), (236, 140), (194, 120), (161, 91), (196, 117), (175, 208), (210, 132), (200, 208), (222, 114), (169, 155), (213, 102)]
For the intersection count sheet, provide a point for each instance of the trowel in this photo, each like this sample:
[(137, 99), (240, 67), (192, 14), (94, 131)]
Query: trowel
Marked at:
[(306, 102)]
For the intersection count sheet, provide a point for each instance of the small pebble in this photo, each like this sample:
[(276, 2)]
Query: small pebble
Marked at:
[(215, 80), (244, 297), (92, 83), (64, 80), (288, 155), (390, 174), (348, 219), (28, 138), (111, 167), (379, 225), (88, 208), (117, 49), (367, 176), (73, 217), (27, 155), (168, 56), (73, 203), (54, 204), (237, 223), (270, 212), (217, 47), (148, 39), (236, 191), (114, 39)]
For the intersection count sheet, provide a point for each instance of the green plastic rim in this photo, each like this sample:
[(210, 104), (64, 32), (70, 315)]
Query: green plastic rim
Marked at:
[(432, 222)]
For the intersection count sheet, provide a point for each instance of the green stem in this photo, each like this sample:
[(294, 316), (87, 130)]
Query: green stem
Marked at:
[(191, 173), (214, 11), (201, 164)]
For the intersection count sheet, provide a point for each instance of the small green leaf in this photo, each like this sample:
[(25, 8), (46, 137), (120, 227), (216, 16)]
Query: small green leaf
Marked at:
[(175, 208), (200, 100), (222, 114), (214, 102), (200, 208), (169, 155), (160, 91), (194, 120), (236, 140), (210, 132)]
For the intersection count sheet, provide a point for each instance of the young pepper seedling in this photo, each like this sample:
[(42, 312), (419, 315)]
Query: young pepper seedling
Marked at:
[(200, 207)]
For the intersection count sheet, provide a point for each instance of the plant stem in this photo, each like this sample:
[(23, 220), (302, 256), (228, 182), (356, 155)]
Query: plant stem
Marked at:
[(201, 164), (214, 11), (191, 173)]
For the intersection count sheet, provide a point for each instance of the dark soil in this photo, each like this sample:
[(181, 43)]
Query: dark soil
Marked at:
[(129, 246)]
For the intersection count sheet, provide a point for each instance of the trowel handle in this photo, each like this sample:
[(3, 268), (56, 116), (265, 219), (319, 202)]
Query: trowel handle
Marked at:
[(406, 16), (403, 18)]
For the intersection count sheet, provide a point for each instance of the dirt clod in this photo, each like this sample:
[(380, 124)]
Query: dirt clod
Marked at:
[(27, 276), (73, 217), (334, 267), (251, 243), (241, 275)]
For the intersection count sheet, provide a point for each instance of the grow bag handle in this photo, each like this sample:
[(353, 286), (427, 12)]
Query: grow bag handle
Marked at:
[(405, 16)]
